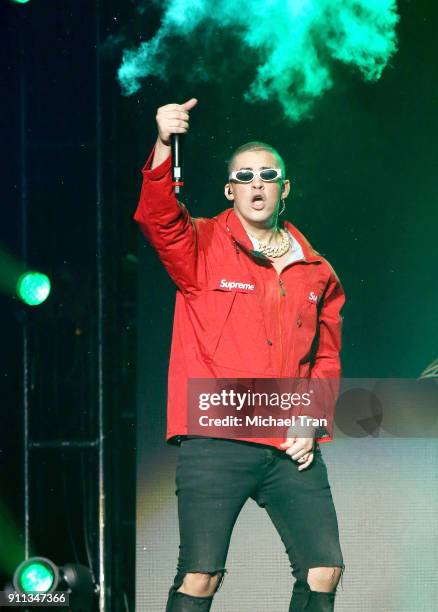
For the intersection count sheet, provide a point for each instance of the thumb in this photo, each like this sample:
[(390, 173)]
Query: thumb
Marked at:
[(289, 441), (189, 104)]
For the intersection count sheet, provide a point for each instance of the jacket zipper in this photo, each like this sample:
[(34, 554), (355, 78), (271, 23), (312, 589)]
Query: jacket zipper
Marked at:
[(282, 294), (282, 289)]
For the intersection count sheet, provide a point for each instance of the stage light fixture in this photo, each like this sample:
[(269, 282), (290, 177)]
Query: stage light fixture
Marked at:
[(79, 581), (40, 575), (33, 287), (37, 574)]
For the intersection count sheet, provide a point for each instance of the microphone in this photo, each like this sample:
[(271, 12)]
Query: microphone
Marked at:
[(177, 157)]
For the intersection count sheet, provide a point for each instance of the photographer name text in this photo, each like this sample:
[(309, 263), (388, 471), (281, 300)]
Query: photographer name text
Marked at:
[(259, 421)]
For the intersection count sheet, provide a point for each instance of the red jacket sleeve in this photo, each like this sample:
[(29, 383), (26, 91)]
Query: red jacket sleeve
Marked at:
[(167, 224), (327, 363)]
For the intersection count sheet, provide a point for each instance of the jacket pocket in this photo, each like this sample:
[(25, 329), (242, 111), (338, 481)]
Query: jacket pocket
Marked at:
[(309, 306), (241, 344), (226, 295), (307, 321), (221, 305)]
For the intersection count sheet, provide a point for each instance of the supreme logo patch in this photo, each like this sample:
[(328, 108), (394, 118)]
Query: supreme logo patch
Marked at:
[(227, 284)]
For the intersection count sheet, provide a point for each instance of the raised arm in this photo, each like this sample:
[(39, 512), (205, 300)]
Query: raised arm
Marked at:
[(164, 221)]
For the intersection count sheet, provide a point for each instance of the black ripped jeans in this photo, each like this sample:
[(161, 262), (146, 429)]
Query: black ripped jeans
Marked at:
[(214, 479)]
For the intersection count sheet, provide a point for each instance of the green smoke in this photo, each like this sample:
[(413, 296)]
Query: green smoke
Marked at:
[(294, 45)]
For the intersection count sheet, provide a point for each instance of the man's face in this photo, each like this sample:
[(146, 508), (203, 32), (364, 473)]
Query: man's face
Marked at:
[(256, 202)]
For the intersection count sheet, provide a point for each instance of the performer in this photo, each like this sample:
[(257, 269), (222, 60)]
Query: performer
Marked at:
[(253, 299)]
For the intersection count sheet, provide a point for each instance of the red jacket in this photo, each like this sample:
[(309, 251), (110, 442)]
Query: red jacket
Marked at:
[(255, 324)]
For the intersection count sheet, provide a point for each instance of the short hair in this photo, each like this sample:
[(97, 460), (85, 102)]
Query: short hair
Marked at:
[(256, 145)]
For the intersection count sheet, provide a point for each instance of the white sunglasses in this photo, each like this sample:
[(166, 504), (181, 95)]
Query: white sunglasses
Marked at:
[(267, 175)]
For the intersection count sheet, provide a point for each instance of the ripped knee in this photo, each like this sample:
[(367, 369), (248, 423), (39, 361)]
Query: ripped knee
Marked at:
[(202, 584), (324, 579)]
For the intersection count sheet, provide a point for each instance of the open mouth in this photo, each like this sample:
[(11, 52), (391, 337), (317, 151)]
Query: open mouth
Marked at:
[(258, 202)]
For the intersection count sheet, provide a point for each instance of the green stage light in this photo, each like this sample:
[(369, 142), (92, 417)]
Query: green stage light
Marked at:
[(33, 287), (36, 575), (21, 1), (40, 575)]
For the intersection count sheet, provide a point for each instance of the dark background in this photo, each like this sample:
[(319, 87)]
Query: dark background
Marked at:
[(365, 194)]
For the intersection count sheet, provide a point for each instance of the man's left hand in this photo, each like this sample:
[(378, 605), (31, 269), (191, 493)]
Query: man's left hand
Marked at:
[(301, 450)]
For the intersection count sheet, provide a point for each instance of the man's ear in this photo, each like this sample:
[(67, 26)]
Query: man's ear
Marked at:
[(285, 188), (229, 192)]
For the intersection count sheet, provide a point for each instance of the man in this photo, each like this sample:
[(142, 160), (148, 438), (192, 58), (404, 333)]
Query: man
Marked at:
[(253, 300)]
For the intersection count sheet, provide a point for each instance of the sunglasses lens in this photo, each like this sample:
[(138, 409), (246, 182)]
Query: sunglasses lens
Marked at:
[(245, 176), (269, 174)]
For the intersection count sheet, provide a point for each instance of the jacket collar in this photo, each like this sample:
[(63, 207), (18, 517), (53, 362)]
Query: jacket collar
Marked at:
[(238, 235)]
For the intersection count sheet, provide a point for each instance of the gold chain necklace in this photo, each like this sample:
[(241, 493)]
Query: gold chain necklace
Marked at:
[(274, 251)]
